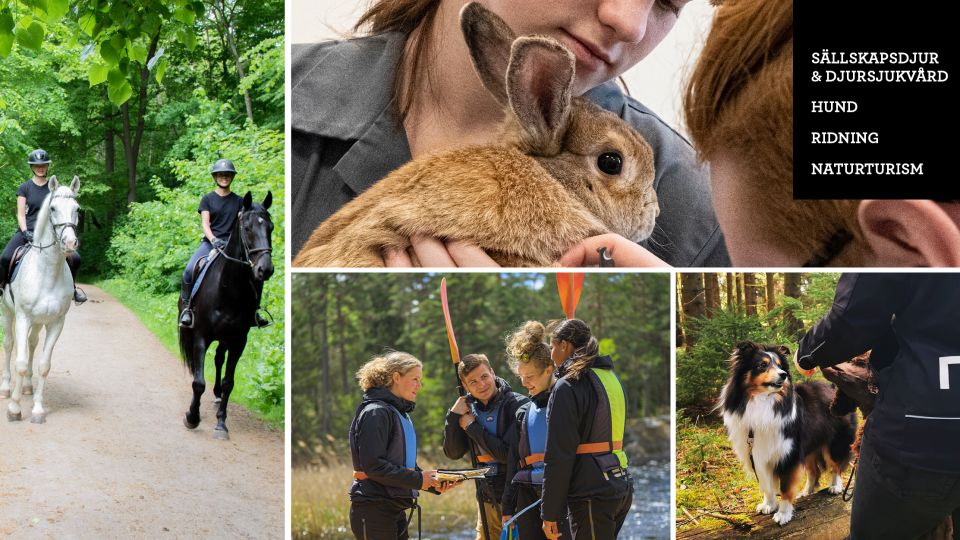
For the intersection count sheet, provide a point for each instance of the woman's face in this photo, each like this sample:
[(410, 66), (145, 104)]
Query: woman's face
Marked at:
[(534, 380), (608, 37), (560, 350), (407, 386), (40, 171)]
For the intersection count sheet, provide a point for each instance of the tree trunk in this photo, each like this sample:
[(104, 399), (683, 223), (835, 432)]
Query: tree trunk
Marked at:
[(131, 140), (341, 337), (711, 286), (681, 322), (791, 288), (226, 17), (771, 291), (324, 358), (729, 283), (739, 280), (693, 304), (750, 293)]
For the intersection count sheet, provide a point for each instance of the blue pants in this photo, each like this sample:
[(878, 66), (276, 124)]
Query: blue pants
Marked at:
[(203, 250)]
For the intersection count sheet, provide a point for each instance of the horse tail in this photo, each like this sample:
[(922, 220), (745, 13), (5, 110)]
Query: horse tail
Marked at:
[(186, 350)]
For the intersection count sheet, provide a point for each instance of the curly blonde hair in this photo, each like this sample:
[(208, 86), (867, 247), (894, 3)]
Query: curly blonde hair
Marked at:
[(525, 346), (378, 372)]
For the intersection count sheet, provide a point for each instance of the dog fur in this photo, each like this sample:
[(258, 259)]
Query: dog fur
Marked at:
[(792, 429)]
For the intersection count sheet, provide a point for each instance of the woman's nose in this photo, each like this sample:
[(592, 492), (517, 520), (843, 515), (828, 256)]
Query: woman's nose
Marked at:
[(627, 18)]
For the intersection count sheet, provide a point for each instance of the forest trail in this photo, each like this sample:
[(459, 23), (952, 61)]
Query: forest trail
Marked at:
[(113, 459)]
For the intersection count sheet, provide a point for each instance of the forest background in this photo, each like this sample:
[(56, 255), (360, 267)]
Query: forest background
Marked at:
[(138, 99)]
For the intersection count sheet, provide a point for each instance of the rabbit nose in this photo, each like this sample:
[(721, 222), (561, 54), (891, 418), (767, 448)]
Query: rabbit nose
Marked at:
[(627, 18)]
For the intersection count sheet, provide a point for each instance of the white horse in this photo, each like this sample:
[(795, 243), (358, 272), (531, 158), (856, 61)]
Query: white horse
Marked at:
[(40, 297)]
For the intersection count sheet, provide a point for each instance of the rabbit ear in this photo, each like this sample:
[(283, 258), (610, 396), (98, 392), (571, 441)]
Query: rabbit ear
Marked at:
[(488, 39), (538, 84)]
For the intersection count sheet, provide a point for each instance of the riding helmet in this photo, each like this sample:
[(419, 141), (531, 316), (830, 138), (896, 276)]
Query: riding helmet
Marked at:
[(223, 166), (38, 157)]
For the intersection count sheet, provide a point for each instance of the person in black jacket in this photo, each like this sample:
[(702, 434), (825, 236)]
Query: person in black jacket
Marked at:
[(529, 358), (908, 475), (585, 466), (483, 419), (383, 447)]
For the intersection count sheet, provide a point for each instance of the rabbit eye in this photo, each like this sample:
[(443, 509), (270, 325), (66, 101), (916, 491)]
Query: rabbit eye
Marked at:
[(610, 163)]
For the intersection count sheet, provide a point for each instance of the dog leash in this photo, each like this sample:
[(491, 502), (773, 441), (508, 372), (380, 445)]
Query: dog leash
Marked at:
[(850, 481), (750, 444)]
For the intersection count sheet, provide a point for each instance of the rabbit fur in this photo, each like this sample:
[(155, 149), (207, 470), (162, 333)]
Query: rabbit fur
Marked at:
[(525, 200)]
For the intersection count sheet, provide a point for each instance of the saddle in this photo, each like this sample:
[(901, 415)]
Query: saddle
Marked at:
[(200, 271), (15, 261)]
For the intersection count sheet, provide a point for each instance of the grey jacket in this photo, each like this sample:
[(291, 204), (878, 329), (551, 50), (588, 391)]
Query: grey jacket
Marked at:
[(346, 137)]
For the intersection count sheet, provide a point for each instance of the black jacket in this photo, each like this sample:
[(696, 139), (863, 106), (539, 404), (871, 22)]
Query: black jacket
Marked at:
[(567, 475), (513, 455), (376, 450), (455, 440), (915, 320)]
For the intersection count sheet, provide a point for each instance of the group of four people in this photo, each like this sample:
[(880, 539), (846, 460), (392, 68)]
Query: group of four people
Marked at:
[(563, 445)]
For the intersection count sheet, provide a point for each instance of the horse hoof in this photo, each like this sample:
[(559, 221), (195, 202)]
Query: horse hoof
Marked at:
[(13, 417), (221, 435), (28, 390), (188, 423), (38, 418)]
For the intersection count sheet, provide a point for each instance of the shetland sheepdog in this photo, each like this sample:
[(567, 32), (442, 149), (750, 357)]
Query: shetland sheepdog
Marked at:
[(779, 430)]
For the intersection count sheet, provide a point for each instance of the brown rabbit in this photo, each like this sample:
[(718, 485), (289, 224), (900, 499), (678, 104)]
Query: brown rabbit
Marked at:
[(565, 169)]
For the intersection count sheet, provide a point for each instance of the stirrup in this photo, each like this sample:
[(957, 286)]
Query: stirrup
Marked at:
[(187, 314), (260, 321)]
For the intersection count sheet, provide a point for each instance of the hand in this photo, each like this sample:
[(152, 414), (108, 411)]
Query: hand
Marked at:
[(431, 252), (796, 362), (460, 406), (505, 520), (447, 486), (466, 420), (550, 529), (219, 243), (624, 253), (28, 236), (429, 479)]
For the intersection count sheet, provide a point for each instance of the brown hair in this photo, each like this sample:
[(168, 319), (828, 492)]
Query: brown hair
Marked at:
[(378, 372), (525, 346), (739, 100), (585, 346), (413, 18), (471, 362)]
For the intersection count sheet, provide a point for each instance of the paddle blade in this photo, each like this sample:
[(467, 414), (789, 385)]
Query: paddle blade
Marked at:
[(569, 285), (454, 350)]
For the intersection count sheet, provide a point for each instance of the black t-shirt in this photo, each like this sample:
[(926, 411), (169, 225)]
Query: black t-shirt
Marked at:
[(35, 196), (223, 212)]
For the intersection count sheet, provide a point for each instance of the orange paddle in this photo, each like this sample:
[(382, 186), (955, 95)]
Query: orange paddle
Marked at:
[(454, 350), (569, 286)]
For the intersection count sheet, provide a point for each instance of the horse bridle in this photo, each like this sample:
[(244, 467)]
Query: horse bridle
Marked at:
[(250, 255), (59, 236)]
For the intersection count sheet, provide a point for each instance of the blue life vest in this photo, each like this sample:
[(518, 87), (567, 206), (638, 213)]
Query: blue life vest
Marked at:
[(490, 422), (533, 443), (409, 441)]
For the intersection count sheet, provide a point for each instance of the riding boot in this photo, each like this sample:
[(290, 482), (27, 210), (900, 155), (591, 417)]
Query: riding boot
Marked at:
[(186, 316), (78, 295)]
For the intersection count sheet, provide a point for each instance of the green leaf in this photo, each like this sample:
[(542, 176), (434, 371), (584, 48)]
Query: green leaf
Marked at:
[(108, 53), (188, 38), (116, 77), (88, 23), (30, 36), (6, 44), (56, 9), (97, 73), (120, 93), (151, 23), (137, 53), (6, 32), (161, 68), (185, 14)]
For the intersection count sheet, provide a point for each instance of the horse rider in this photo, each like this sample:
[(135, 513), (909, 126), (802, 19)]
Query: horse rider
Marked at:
[(218, 214), (30, 197)]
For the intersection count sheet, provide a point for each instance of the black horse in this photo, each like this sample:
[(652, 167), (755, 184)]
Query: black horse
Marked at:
[(225, 304)]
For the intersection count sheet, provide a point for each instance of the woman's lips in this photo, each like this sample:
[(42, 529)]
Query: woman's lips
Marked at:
[(587, 54)]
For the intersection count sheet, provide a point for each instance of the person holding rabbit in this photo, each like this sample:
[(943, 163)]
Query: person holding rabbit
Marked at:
[(529, 358), (365, 106)]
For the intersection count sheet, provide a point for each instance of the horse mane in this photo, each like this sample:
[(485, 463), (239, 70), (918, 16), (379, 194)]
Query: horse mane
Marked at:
[(43, 216)]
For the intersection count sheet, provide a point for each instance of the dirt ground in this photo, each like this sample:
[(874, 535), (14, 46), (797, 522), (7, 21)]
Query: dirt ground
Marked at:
[(113, 459)]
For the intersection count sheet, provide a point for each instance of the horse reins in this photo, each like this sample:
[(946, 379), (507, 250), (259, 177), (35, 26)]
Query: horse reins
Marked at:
[(249, 254), (59, 236)]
